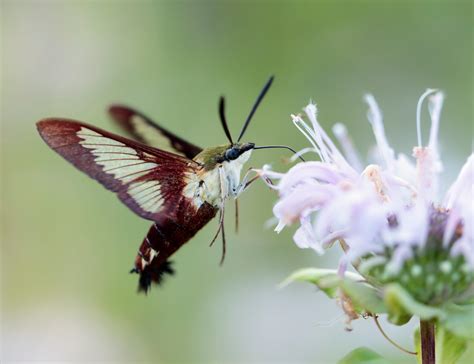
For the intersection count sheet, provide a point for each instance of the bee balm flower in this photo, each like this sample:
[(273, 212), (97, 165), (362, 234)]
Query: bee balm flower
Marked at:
[(388, 214)]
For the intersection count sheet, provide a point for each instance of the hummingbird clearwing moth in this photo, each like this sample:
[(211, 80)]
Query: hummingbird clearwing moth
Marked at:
[(180, 191)]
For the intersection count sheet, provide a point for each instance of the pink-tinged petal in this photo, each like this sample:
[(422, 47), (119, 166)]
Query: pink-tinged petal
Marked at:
[(461, 188), (401, 254), (460, 201), (418, 113), (301, 238), (375, 118), (405, 169), (304, 237), (434, 106), (330, 238), (387, 206), (342, 266), (311, 112), (268, 172), (464, 247), (357, 212), (316, 171), (369, 220), (359, 246), (465, 244), (454, 220), (280, 226), (412, 225), (329, 151), (350, 152), (398, 189), (428, 163), (300, 200), (308, 133), (301, 153), (428, 168), (266, 175), (372, 176)]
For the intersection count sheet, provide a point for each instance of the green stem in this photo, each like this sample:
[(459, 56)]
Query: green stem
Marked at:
[(377, 323), (427, 333)]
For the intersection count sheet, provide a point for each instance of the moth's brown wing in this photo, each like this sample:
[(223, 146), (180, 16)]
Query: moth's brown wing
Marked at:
[(146, 131), (148, 180)]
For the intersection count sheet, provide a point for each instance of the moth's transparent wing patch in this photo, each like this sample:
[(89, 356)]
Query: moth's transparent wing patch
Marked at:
[(146, 131), (148, 180)]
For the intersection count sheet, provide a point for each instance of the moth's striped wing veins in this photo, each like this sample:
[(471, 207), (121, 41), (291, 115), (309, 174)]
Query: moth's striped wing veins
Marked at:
[(144, 130), (148, 180)]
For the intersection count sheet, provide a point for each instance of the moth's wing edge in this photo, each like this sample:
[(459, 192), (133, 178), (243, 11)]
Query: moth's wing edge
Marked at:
[(145, 130)]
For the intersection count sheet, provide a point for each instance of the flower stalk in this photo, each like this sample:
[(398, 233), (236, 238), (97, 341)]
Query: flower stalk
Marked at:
[(427, 332), (382, 331)]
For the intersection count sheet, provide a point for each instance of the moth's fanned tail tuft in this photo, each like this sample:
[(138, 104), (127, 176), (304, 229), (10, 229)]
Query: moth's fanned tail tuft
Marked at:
[(153, 274)]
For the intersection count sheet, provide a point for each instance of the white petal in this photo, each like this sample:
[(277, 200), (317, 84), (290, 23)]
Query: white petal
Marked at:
[(375, 118), (460, 189), (328, 149), (435, 105), (310, 171), (340, 131), (418, 113), (428, 168), (413, 225)]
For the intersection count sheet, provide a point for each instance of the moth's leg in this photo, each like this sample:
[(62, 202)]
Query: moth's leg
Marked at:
[(240, 188), (221, 213), (236, 215), (222, 178), (249, 182), (243, 186), (245, 182), (219, 228), (247, 175), (223, 238)]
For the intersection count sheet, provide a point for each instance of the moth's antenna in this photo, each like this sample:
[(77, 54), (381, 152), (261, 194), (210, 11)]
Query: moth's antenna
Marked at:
[(223, 119), (279, 147), (255, 106)]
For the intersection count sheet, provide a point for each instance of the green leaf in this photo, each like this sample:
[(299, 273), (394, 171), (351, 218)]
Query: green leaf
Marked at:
[(448, 348), (328, 280), (363, 356), (364, 297), (401, 306), (417, 338), (459, 320)]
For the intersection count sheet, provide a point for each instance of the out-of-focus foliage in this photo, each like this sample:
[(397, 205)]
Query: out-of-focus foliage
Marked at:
[(357, 298), (67, 244), (363, 356)]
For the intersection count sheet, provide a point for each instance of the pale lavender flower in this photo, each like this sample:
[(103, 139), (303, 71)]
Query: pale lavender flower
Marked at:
[(387, 213)]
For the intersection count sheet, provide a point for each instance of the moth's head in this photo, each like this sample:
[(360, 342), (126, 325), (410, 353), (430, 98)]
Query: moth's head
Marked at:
[(239, 152), (236, 153)]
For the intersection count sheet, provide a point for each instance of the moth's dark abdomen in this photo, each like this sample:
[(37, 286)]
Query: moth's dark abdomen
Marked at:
[(166, 237)]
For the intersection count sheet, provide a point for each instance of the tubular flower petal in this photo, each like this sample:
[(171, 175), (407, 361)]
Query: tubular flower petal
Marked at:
[(387, 213)]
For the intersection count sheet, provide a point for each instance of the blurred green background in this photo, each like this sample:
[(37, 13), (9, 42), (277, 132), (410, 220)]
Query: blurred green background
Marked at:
[(67, 244)]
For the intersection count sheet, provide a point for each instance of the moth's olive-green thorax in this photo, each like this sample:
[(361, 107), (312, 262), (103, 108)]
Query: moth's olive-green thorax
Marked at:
[(211, 157)]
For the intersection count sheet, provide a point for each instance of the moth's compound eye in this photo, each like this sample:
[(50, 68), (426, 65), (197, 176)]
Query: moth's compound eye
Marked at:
[(231, 154)]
